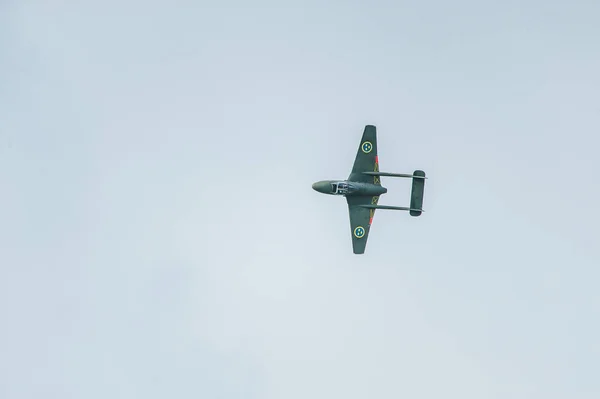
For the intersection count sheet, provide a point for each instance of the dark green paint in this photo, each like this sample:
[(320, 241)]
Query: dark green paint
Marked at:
[(363, 188), (365, 162), (416, 196), (348, 188)]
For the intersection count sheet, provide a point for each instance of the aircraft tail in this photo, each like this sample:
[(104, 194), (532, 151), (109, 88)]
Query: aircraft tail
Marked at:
[(416, 195)]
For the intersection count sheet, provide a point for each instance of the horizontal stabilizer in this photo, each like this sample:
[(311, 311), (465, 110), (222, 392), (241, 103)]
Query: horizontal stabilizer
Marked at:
[(413, 176), (416, 196), (393, 208)]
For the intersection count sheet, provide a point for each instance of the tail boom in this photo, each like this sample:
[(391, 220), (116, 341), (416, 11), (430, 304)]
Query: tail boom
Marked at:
[(413, 176), (389, 207)]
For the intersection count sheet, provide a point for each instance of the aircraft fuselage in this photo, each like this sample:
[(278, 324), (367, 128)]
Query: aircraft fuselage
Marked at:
[(348, 188)]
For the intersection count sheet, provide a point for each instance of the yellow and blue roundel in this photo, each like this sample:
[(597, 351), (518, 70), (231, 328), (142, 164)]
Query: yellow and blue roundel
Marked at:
[(359, 232), (366, 147)]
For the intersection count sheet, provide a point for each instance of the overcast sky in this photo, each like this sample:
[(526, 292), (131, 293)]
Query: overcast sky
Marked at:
[(159, 237)]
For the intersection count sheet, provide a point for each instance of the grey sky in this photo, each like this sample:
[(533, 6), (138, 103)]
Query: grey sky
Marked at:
[(160, 238)]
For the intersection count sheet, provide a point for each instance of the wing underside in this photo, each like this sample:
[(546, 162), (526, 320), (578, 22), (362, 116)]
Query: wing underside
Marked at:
[(366, 161), (360, 221), (366, 158)]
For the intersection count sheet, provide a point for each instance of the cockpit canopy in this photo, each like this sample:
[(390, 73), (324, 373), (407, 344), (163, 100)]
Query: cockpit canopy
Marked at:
[(340, 188)]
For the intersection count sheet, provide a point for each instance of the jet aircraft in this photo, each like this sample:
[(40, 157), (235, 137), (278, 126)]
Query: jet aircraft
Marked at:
[(363, 188)]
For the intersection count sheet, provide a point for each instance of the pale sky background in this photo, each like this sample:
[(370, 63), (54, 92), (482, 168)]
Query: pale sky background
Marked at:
[(160, 237)]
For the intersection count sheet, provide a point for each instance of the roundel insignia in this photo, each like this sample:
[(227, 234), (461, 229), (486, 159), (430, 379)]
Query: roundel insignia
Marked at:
[(359, 232), (367, 147)]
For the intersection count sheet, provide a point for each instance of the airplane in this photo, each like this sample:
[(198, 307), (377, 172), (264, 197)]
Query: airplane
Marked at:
[(363, 188)]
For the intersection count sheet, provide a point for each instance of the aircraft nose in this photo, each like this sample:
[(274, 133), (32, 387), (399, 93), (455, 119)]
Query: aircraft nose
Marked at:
[(320, 186)]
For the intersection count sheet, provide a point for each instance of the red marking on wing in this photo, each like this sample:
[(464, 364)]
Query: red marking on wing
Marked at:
[(376, 158), (370, 220)]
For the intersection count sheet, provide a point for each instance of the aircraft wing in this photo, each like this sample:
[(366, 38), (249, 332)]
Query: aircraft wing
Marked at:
[(360, 221), (366, 157)]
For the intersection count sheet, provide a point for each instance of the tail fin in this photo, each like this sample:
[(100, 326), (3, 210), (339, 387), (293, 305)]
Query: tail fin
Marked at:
[(416, 196)]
